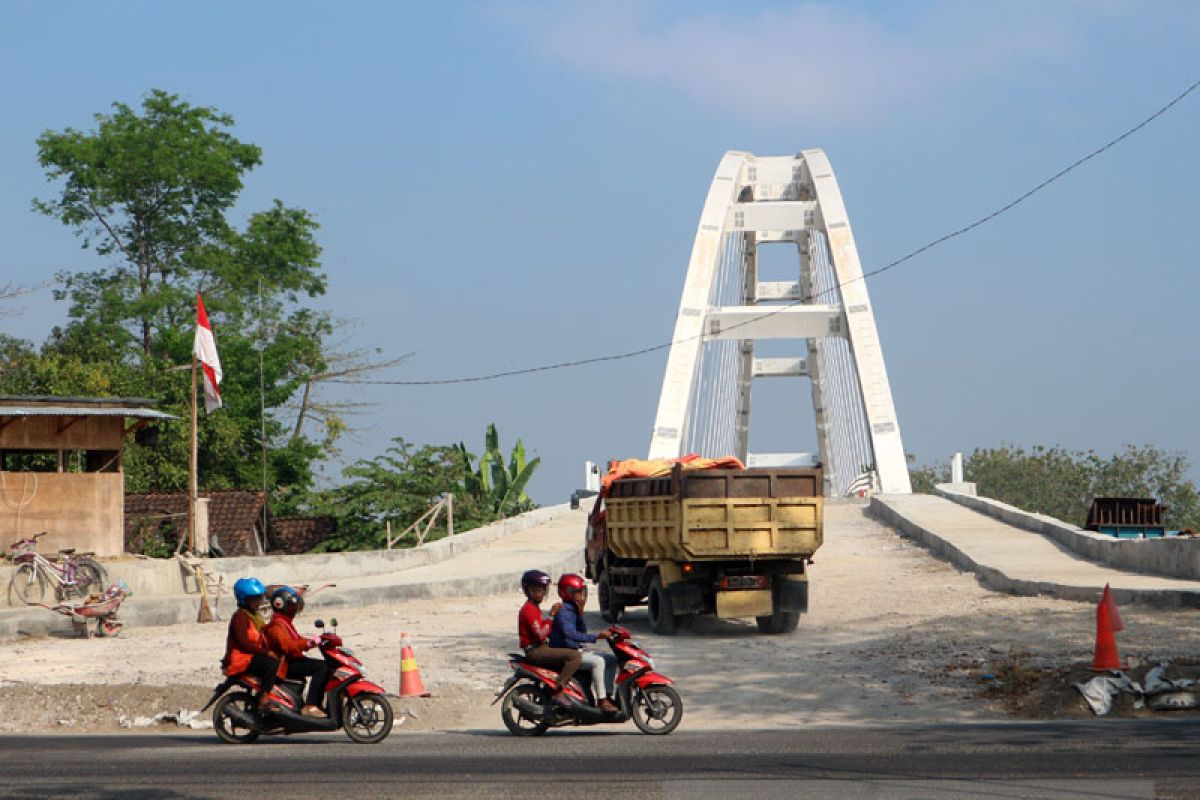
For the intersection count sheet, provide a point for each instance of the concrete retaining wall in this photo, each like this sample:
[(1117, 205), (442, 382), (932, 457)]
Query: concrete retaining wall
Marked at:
[(166, 577), (1171, 557)]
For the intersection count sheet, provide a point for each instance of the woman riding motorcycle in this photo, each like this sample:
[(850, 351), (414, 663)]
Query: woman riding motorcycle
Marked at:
[(286, 603), (570, 632), (247, 649)]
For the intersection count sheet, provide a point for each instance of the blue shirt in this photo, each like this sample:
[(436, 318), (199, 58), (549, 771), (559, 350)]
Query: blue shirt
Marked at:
[(568, 629)]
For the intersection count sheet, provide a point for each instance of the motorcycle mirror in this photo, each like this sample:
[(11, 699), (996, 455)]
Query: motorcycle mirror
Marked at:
[(333, 621), (319, 623)]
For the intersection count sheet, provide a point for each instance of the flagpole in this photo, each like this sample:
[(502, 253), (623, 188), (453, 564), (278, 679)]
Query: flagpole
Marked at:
[(192, 469)]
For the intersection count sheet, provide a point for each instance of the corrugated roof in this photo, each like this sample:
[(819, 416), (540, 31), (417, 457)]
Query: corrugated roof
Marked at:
[(81, 411)]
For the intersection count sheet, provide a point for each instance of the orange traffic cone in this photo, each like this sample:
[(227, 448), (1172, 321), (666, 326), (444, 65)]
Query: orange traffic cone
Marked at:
[(1108, 622), (410, 676)]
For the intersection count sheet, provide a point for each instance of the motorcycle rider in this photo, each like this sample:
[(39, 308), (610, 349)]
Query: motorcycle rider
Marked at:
[(534, 632), (247, 649), (569, 632), (286, 603)]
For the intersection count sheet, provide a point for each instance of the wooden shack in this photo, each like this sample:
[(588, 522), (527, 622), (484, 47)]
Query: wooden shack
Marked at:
[(61, 469)]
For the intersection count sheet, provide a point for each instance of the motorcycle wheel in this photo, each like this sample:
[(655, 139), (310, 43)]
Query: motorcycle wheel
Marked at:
[(367, 718), (517, 722), (28, 585), (228, 729), (657, 710)]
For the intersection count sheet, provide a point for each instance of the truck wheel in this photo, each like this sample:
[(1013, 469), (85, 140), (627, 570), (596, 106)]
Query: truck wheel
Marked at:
[(779, 622), (610, 611), (659, 608)]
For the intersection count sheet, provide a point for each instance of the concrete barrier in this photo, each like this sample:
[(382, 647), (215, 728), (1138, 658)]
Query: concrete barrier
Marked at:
[(1173, 557), (162, 596)]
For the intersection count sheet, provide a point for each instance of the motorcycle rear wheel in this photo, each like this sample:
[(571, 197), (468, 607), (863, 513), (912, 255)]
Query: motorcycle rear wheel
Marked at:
[(228, 729), (517, 722), (656, 710), (367, 718)]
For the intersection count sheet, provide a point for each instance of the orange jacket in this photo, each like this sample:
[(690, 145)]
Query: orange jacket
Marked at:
[(282, 637), (245, 641)]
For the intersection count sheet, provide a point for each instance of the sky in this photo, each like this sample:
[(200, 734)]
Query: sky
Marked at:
[(503, 185)]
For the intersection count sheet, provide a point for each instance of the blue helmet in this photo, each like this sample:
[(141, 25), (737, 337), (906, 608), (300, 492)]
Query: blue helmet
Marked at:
[(246, 588)]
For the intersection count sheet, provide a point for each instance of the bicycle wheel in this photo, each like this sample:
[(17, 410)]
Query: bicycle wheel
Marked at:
[(90, 577), (28, 584)]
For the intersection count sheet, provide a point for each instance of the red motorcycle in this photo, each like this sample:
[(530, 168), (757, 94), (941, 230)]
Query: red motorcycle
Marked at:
[(352, 702), (643, 695)]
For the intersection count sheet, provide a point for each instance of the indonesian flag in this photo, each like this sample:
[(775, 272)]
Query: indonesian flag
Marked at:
[(205, 351)]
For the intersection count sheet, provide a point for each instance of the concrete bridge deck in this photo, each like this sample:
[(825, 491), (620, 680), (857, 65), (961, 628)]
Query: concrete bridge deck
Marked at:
[(1018, 561)]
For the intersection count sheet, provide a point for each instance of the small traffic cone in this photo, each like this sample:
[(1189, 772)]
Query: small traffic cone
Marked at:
[(410, 676), (1108, 622)]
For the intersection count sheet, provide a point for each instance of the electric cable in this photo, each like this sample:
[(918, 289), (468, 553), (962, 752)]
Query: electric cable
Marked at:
[(804, 300)]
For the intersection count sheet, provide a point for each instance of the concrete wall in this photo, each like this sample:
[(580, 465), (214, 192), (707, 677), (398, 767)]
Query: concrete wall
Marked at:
[(1170, 557), (166, 577), (84, 510)]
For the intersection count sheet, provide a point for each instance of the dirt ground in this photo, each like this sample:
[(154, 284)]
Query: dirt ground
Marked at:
[(893, 635)]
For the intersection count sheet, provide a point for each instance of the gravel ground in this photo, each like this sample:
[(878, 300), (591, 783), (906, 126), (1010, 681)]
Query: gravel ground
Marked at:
[(893, 635)]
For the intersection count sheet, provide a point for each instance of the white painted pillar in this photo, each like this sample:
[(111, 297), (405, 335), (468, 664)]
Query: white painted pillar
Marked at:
[(956, 468)]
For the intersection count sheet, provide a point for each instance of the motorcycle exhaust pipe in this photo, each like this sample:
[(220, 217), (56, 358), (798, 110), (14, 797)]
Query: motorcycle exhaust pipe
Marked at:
[(528, 706)]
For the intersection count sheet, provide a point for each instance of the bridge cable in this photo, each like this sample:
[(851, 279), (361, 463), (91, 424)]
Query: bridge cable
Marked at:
[(804, 300)]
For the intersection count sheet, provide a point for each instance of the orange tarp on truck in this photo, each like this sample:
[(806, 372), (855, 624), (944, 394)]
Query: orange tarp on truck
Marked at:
[(657, 467)]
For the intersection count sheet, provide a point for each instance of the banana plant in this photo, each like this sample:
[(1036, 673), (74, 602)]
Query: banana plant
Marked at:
[(499, 484)]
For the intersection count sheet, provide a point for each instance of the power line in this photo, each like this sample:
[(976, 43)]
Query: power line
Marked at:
[(777, 309)]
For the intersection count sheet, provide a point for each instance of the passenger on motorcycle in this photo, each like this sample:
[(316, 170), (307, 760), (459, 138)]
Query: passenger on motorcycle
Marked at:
[(534, 632), (569, 632), (247, 649), (286, 603)]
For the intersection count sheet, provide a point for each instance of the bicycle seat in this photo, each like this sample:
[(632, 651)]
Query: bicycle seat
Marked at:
[(66, 551)]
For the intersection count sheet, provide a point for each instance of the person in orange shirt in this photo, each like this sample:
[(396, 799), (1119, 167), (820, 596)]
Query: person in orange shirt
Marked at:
[(246, 648), (281, 634)]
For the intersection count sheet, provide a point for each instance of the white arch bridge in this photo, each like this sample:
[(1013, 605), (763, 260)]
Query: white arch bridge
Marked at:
[(705, 406)]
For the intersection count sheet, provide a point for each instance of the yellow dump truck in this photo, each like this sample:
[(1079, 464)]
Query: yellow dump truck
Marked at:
[(734, 543)]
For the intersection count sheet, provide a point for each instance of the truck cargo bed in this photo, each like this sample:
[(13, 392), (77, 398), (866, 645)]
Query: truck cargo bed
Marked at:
[(717, 514)]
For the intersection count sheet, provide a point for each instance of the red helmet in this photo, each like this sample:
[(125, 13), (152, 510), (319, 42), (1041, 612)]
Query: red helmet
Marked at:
[(568, 585)]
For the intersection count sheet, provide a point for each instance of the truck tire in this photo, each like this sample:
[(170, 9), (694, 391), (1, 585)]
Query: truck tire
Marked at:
[(610, 611), (659, 608), (779, 622)]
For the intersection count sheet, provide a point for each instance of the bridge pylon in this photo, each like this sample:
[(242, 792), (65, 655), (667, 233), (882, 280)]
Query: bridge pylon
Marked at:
[(705, 404)]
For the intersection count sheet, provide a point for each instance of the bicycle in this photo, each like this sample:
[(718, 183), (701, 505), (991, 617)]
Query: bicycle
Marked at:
[(75, 575)]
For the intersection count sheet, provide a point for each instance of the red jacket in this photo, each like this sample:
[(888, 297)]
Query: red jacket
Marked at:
[(532, 627), (245, 641), (282, 636)]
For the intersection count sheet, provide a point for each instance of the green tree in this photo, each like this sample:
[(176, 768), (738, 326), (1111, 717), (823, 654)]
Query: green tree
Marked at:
[(1062, 483), (149, 192), (397, 487)]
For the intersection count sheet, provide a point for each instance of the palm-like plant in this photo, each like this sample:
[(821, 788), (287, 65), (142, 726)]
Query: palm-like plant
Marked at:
[(499, 484)]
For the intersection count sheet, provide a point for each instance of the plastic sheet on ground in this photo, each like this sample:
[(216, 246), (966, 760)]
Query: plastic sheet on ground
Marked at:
[(1159, 693), (1100, 690), (183, 718)]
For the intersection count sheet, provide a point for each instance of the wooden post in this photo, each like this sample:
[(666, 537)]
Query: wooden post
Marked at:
[(192, 468), (450, 514)]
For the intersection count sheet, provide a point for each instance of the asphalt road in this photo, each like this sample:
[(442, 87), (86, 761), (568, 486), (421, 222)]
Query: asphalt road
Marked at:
[(1094, 759)]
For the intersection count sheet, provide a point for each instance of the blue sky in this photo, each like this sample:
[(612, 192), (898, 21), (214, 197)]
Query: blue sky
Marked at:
[(507, 184)]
